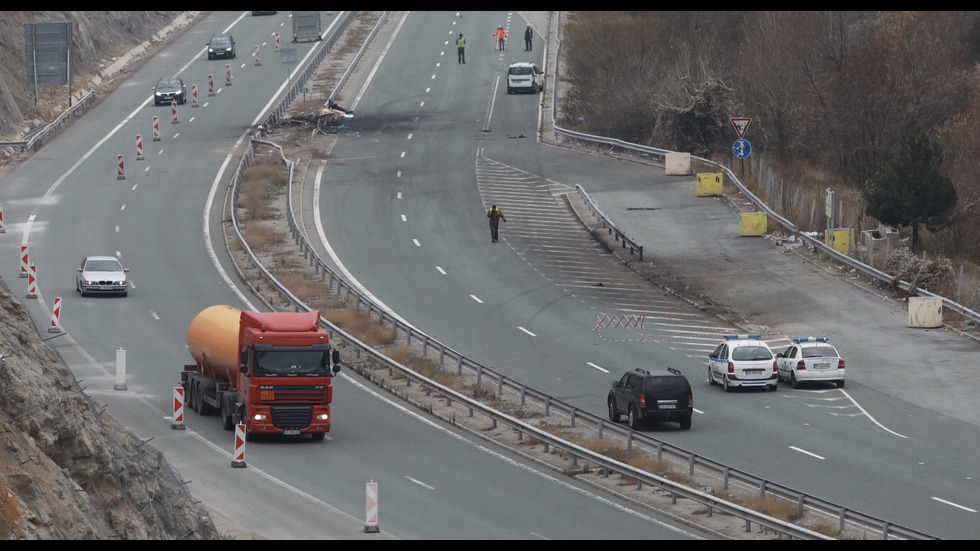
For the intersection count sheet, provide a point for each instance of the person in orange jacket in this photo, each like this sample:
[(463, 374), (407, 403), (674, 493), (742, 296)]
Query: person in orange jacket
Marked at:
[(495, 217), (500, 34)]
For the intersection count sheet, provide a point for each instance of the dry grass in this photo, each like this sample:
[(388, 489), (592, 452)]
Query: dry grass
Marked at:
[(360, 325), (261, 238), (300, 285)]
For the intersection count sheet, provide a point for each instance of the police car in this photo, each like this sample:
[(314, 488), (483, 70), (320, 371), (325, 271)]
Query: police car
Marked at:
[(742, 361), (810, 359)]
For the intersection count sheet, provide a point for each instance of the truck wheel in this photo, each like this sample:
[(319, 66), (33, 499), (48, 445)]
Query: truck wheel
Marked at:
[(226, 420), (318, 436)]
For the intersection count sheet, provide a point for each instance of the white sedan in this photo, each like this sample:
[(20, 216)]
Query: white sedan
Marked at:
[(811, 359), (101, 275)]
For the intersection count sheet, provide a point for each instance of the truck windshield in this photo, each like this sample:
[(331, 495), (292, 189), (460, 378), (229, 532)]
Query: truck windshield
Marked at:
[(291, 362)]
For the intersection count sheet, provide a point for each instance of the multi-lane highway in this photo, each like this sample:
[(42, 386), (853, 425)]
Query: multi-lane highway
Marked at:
[(68, 200)]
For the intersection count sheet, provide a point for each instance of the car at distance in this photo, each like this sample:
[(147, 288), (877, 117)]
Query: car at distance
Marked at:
[(651, 395), (168, 90), (811, 359), (101, 275), (525, 76), (742, 361), (221, 45)]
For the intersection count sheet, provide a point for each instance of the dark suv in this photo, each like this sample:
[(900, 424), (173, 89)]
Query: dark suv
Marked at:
[(652, 395), (221, 45)]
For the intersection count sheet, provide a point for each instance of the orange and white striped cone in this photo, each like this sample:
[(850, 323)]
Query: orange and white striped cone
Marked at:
[(139, 147), (120, 168), (194, 95), (210, 84), (156, 128), (276, 41), (258, 59), (32, 282), (239, 459), (178, 423), (2, 230), (371, 527), (56, 317), (23, 261), (227, 75), (173, 111)]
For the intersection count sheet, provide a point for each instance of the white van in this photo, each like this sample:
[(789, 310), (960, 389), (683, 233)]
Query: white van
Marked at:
[(525, 76)]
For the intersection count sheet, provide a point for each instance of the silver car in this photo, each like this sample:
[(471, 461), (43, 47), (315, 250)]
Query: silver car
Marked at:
[(101, 275)]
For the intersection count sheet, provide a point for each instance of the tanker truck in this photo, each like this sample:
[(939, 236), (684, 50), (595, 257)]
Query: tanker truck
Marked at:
[(270, 371)]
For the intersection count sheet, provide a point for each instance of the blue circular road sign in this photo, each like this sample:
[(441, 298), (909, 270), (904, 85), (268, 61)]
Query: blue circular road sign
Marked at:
[(742, 148)]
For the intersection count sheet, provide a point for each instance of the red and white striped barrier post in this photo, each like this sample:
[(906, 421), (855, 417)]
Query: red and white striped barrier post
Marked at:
[(23, 261), (173, 111), (227, 74), (372, 508), (276, 40), (239, 460), (178, 423), (139, 147), (156, 128), (194, 95), (120, 168), (210, 84), (121, 370), (32, 282), (56, 317), (258, 59), (1, 219)]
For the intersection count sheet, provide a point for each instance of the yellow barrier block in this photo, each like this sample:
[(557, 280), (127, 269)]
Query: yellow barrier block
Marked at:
[(840, 239), (710, 184), (752, 223)]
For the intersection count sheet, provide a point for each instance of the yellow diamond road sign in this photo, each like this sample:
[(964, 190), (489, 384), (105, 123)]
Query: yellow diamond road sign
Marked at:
[(741, 124)]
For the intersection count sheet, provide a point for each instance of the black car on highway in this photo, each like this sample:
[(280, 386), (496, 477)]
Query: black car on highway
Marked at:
[(221, 45), (168, 90), (652, 395)]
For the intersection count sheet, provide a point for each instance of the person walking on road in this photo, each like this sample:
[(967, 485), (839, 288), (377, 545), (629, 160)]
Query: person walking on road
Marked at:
[(495, 217), (500, 34), (461, 49), (528, 34)]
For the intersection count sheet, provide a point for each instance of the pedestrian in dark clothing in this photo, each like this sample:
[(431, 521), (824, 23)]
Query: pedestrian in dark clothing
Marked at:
[(528, 34), (495, 217), (461, 49)]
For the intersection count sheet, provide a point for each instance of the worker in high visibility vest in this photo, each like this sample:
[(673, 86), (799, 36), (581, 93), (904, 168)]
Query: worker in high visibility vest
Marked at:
[(461, 49), (495, 217)]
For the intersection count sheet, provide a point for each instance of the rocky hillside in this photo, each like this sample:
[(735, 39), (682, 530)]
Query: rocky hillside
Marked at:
[(67, 470)]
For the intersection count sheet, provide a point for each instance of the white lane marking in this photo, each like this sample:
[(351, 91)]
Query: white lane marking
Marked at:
[(954, 505), (441, 271), (404, 218), (419, 482), (501, 457), (416, 241), (794, 448), (526, 331), (873, 420), (474, 297), (592, 365)]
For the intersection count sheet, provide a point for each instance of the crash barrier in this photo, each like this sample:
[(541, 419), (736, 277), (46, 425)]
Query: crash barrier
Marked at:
[(528, 397), (36, 139), (645, 153)]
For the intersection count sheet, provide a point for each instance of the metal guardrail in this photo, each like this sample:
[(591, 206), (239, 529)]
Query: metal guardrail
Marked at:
[(528, 396), (36, 138), (660, 155)]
